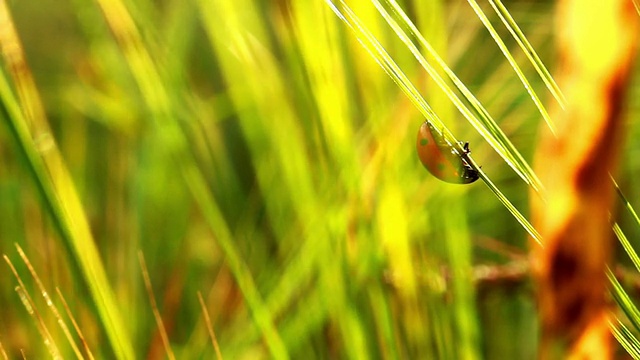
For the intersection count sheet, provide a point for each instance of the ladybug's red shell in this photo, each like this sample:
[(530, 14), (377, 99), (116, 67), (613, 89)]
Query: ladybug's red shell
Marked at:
[(442, 159)]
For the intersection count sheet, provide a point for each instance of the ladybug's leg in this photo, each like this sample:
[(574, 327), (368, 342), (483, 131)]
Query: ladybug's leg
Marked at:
[(467, 151)]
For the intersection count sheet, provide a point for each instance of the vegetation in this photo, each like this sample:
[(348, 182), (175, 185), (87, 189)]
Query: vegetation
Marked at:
[(256, 153)]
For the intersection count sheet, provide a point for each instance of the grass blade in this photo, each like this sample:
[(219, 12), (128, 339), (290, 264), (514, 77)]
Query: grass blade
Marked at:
[(505, 51), (370, 43), (624, 301), (628, 341), (160, 102), (30, 130), (528, 50), (479, 117)]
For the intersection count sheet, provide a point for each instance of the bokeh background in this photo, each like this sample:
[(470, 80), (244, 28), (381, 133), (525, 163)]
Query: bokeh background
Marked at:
[(253, 151)]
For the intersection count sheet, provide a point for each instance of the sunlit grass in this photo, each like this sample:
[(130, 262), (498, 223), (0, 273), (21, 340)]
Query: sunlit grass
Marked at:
[(257, 154)]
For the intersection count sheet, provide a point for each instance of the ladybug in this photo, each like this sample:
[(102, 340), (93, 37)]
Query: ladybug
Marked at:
[(442, 159)]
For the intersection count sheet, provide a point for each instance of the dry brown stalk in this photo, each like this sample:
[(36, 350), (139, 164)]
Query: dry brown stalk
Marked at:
[(596, 47)]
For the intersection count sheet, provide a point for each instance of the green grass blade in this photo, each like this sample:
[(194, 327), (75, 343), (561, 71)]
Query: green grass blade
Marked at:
[(512, 209), (382, 57), (485, 125), (55, 185), (460, 255), (62, 202), (528, 50), (624, 241), (626, 338), (633, 255), (368, 40), (624, 301), (507, 54), (159, 100), (626, 202)]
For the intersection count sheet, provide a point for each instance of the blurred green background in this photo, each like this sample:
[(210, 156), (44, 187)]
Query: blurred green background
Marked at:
[(259, 155)]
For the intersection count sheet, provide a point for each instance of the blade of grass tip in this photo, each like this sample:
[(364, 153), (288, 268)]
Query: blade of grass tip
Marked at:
[(626, 202), (633, 255), (49, 302), (529, 51), (54, 182), (505, 51), (207, 321), (628, 341), (29, 305), (158, 101), (154, 307), (491, 132), (623, 300), (87, 349)]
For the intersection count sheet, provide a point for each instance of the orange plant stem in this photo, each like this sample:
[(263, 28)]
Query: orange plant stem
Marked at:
[(596, 47)]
